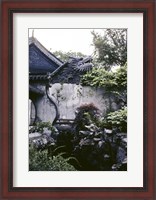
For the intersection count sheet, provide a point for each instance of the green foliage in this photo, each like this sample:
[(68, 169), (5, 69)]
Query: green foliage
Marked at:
[(117, 119), (111, 47), (120, 78), (98, 77), (112, 81), (39, 127), (41, 161), (64, 56)]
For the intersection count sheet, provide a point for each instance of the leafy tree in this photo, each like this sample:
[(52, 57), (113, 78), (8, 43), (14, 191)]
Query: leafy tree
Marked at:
[(64, 56), (111, 47), (98, 77)]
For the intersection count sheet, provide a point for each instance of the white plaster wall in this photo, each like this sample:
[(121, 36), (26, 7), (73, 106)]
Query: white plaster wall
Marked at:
[(71, 96), (45, 110), (31, 112)]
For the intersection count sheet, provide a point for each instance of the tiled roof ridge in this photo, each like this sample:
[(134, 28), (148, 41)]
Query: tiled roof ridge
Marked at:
[(38, 77), (48, 75)]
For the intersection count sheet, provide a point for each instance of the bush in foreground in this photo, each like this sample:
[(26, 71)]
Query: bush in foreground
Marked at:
[(41, 161)]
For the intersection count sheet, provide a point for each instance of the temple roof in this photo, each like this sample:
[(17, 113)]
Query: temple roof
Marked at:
[(41, 61), (44, 66)]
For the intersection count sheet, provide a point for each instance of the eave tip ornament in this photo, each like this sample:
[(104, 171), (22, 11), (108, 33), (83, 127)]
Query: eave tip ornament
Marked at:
[(81, 64)]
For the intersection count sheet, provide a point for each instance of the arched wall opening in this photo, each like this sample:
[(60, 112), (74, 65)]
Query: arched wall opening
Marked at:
[(32, 112)]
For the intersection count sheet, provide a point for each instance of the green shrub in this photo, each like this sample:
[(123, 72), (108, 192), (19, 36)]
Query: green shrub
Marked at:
[(41, 161), (39, 127), (117, 119), (99, 77)]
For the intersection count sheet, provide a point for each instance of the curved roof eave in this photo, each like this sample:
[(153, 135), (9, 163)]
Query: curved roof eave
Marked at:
[(33, 40)]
